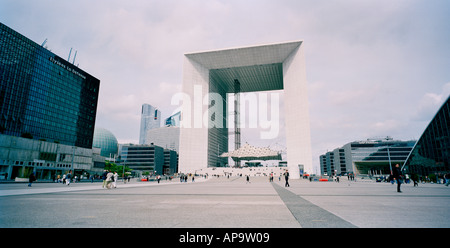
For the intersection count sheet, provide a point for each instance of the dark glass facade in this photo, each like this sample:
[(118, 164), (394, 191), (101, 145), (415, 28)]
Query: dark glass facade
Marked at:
[(431, 155), (43, 96), (143, 157)]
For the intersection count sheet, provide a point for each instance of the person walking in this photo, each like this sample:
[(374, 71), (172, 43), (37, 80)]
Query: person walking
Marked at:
[(68, 177), (397, 175), (105, 172), (248, 179), (115, 177), (31, 179), (447, 179), (415, 178), (109, 179), (286, 178)]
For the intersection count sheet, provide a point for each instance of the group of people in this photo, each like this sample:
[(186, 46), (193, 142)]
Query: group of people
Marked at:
[(286, 178), (109, 179), (66, 178), (184, 178)]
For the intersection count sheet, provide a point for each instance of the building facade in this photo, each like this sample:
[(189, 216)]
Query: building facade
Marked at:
[(369, 157), (43, 96), (21, 156), (48, 108), (173, 120), (170, 162), (431, 154), (150, 118), (148, 158), (166, 137)]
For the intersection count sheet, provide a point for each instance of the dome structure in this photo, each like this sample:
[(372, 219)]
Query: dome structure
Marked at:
[(106, 141)]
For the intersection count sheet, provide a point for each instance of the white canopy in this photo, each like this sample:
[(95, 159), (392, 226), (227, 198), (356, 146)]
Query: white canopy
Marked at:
[(248, 152)]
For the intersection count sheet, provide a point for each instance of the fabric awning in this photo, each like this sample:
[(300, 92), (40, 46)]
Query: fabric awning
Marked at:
[(248, 152)]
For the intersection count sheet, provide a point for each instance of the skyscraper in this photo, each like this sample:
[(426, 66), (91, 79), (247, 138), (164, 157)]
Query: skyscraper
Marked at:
[(48, 108), (150, 118), (173, 120), (43, 96)]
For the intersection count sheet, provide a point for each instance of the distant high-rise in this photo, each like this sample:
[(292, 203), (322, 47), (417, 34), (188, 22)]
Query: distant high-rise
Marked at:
[(173, 120), (150, 118)]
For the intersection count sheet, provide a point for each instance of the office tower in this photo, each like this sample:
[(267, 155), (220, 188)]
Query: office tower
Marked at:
[(43, 96), (150, 118)]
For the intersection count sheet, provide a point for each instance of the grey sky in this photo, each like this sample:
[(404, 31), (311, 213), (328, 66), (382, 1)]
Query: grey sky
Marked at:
[(374, 68)]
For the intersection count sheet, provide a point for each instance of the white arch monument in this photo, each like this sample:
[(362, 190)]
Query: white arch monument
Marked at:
[(208, 77)]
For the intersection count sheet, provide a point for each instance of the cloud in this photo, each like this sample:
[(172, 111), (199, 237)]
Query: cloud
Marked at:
[(373, 67), (430, 103)]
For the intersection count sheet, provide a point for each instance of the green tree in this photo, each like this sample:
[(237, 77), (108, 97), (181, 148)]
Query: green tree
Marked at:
[(115, 167)]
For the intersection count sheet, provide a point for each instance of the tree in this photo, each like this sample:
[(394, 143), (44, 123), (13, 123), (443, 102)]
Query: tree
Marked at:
[(114, 167)]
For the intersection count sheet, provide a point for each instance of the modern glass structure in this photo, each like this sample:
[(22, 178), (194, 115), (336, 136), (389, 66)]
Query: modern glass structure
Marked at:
[(143, 157), (372, 156), (431, 154), (106, 141), (43, 96), (150, 119), (174, 120)]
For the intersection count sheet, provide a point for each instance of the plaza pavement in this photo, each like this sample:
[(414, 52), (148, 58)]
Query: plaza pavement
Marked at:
[(225, 203)]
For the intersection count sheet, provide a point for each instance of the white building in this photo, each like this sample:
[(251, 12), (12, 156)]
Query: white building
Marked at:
[(165, 137), (258, 68)]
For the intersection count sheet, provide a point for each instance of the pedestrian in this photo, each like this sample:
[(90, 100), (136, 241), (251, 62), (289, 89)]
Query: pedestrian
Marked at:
[(109, 179), (397, 175), (415, 178), (68, 177), (158, 178), (248, 179), (115, 177), (31, 179), (447, 179), (105, 173), (286, 178)]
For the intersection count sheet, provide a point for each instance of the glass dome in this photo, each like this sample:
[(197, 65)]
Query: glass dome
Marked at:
[(106, 141)]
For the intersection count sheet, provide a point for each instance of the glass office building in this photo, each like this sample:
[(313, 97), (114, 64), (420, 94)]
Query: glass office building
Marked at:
[(173, 120), (43, 96), (369, 157), (431, 154), (150, 119), (143, 157)]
